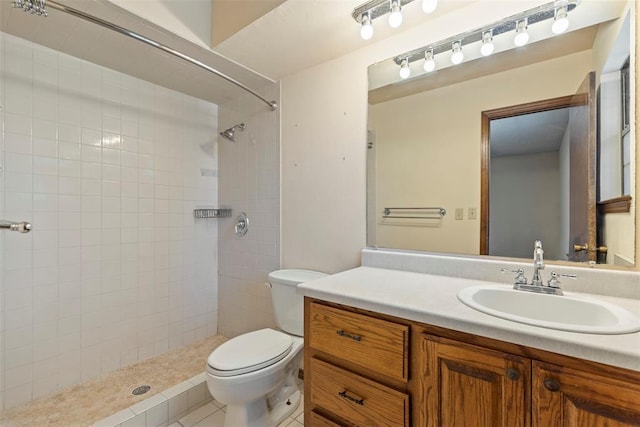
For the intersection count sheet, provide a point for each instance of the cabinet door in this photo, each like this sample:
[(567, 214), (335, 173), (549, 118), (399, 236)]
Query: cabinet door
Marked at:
[(465, 385), (567, 397)]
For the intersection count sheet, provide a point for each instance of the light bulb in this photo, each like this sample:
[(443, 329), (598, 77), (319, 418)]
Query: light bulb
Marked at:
[(366, 32), (429, 6), (395, 17), (404, 69), (429, 63), (522, 36), (457, 55), (487, 43), (561, 22)]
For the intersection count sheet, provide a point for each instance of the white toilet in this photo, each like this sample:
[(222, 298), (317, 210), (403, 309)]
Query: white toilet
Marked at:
[(255, 374)]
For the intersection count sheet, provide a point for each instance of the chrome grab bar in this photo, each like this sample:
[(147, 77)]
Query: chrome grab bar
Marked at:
[(20, 227)]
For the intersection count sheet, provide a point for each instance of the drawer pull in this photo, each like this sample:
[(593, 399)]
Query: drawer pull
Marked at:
[(348, 335), (356, 400)]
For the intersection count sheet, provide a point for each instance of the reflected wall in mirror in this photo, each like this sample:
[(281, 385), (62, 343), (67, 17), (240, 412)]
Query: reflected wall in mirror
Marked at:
[(425, 140)]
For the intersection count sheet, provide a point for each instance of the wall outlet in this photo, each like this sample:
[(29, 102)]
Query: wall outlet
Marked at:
[(473, 213), (459, 214)]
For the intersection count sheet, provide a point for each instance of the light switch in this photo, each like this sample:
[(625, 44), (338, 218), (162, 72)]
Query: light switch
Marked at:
[(473, 213), (459, 213)]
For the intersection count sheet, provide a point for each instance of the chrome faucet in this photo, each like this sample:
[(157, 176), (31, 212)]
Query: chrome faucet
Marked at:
[(537, 284), (538, 263)]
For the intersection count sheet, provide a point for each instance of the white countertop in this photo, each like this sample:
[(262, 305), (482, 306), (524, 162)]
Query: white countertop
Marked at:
[(432, 300)]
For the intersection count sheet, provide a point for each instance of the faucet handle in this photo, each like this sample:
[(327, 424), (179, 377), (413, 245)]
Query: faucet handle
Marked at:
[(520, 279), (554, 282)]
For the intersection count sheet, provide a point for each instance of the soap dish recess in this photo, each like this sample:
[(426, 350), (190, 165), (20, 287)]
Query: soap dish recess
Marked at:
[(212, 213)]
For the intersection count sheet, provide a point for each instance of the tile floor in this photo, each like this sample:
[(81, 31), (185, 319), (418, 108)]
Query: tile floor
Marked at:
[(212, 415)]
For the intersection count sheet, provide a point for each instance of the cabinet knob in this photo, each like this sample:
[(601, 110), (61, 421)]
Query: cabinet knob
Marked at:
[(551, 384), (513, 374)]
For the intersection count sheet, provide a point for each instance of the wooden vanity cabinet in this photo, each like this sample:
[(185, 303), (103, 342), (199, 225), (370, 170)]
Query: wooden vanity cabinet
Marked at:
[(367, 369), (464, 385), (356, 368), (575, 398)]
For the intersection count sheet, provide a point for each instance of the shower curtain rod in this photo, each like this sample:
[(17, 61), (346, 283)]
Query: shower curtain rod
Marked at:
[(111, 26)]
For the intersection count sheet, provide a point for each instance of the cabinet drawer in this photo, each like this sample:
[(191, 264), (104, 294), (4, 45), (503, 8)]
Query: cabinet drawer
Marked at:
[(372, 343), (316, 420), (356, 399)]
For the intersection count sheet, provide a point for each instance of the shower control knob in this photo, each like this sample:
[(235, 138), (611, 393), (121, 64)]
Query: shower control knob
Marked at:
[(242, 224)]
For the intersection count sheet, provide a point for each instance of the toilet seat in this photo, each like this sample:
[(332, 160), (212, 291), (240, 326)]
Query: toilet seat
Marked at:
[(249, 352)]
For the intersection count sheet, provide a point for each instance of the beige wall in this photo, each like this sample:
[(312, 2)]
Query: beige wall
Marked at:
[(324, 121), (428, 149), (618, 239), (323, 167)]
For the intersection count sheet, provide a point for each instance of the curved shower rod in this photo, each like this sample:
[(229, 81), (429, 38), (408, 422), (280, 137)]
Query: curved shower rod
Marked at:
[(111, 26)]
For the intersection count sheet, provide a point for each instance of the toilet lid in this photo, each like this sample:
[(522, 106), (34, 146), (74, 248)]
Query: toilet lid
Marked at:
[(249, 352)]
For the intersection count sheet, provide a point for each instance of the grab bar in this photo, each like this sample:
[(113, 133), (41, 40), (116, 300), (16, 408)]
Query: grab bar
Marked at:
[(20, 227), (416, 213)]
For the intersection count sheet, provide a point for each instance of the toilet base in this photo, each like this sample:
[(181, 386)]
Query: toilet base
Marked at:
[(282, 410), (256, 413)]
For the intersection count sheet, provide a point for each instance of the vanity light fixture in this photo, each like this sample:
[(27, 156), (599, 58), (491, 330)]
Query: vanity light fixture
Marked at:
[(560, 21), (395, 17), (405, 71), (429, 6), (487, 43), (366, 32), (429, 62), (368, 12), (483, 38), (522, 35), (456, 52)]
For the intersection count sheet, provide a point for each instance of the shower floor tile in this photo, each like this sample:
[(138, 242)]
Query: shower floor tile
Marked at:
[(83, 404)]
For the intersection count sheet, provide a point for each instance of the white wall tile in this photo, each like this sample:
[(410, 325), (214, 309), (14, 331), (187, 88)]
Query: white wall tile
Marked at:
[(17, 143), (91, 153), (69, 168), (251, 186), (17, 123), (45, 165), (19, 163), (103, 175), (20, 182)]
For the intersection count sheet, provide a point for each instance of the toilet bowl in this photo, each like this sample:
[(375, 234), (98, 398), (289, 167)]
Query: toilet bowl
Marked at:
[(256, 374)]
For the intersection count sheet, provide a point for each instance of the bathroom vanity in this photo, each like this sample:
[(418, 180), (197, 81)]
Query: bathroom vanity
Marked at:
[(395, 348)]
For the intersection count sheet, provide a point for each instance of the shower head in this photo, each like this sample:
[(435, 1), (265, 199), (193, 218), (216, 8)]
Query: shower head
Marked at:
[(230, 133)]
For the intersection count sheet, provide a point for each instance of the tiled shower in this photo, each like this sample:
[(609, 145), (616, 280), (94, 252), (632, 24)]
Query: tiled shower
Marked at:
[(108, 169), (249, 182)]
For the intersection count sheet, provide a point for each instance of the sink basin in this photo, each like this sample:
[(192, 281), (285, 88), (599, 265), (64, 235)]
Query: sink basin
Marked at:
[(573, 313)]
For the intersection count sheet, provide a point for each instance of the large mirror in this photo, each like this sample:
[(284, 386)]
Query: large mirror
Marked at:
[(478, 159)]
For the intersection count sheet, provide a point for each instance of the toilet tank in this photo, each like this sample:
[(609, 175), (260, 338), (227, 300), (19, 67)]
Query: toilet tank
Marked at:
[(287, 304)]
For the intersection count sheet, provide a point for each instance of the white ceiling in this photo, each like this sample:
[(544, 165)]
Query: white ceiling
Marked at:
[(528, 133), (299, 34)]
